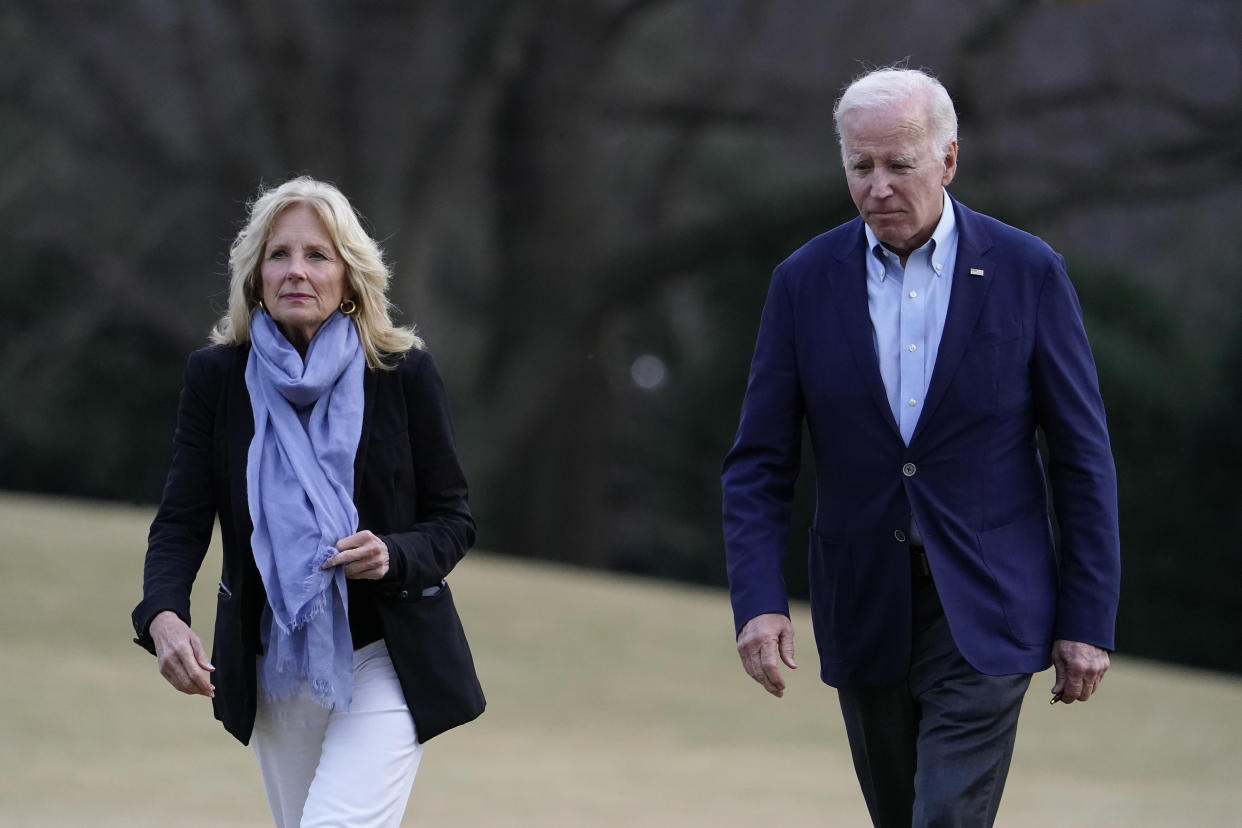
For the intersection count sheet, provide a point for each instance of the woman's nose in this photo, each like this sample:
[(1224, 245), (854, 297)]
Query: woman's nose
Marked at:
[(297, 266)]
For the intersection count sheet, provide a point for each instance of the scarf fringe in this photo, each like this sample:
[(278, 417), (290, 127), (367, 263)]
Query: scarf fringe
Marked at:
[(317, 607)]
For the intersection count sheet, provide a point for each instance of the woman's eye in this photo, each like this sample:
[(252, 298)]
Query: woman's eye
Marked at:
[(277, 254)]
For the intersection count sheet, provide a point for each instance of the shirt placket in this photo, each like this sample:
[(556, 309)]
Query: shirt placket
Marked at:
[(913, 345)]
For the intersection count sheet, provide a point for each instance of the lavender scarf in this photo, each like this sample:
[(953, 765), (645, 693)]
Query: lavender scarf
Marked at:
[(299, 482)]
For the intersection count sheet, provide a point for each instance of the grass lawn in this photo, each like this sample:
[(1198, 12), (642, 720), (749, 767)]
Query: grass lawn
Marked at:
[(612, 702)]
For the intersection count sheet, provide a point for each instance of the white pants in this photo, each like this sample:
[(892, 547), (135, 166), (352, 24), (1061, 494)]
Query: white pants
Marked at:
[(325, 768)]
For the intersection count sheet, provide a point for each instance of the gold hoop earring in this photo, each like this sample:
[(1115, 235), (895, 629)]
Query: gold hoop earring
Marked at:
[(348, 306), (260, 305)]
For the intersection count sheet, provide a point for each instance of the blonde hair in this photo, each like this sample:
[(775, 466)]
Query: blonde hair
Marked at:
[(366, 274)]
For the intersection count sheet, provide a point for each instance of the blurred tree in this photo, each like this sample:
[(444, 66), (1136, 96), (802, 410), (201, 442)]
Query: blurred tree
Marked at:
[(563, 186), (1167, 392)]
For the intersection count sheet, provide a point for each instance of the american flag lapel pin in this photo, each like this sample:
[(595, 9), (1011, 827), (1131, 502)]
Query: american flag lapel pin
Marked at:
[(976, 271)]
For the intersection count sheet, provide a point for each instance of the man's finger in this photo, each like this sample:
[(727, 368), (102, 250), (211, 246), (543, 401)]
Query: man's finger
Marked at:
[(774, 682), (752, 663), (1059, 685), (787, 650)]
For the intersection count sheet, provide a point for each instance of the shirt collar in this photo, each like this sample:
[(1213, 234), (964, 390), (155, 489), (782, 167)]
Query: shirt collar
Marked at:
[(945, 232)]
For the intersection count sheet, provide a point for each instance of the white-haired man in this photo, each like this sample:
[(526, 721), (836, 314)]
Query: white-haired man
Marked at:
[(924, 345)]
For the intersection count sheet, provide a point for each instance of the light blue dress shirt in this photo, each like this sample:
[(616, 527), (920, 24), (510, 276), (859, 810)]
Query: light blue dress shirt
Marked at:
[(908, 308)]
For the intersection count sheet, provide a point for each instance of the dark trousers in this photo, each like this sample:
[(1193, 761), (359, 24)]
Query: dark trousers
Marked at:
[(934, 750)]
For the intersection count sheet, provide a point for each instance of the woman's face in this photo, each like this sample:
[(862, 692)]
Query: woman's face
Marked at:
[(303, 274)]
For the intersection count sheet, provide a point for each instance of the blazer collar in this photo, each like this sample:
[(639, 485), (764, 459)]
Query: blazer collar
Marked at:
[(239, 423), (848, 284), (972, 279), (973, 274), (368, 408)]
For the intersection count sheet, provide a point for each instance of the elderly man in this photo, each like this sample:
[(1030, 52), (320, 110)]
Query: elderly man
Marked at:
[(924, 345)]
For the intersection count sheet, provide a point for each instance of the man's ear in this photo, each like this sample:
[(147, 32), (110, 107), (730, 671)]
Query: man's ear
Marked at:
[(950, 164)]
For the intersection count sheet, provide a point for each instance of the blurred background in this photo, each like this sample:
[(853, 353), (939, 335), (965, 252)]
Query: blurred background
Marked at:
[(583, 201)]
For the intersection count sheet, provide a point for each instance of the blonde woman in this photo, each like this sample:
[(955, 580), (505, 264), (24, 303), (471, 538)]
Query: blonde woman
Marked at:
[(319, 434)]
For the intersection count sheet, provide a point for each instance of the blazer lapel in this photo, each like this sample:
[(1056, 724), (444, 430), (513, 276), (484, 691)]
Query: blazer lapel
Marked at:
[(368, 407), (240, 432), (849, 292), (972, 279)]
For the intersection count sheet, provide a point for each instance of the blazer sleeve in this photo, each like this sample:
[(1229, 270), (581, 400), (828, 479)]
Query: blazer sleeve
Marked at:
[(444, 529), (761, 469), (181, 530), (1083, 476)]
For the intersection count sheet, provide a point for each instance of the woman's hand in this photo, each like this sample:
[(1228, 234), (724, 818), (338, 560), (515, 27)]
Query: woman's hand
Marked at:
[(182, 659), (363, 555)]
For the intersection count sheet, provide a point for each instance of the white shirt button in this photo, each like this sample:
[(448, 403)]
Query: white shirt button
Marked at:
[(914, 294), (913, 348), (912, 402)]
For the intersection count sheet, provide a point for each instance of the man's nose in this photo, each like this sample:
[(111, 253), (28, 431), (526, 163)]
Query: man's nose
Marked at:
[(881, 185)]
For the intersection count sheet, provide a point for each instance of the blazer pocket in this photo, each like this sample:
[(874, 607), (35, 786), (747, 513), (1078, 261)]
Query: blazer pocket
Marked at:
[(995, 334), (432, 659), (994, 373), (1020, 560), (401, 595), (227, 644), (831, 574)]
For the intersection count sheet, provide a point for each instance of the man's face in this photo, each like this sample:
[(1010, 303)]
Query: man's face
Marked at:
[(894, 174)]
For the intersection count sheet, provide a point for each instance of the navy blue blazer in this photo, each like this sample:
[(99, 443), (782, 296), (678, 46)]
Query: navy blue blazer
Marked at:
[(409, 490), (1013, 358)]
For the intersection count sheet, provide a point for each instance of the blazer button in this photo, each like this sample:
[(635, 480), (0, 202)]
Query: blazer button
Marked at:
[(908, 470), (899, 536), (405, 593)]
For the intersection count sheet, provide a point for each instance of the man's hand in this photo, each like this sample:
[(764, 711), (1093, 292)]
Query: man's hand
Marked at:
[(1079, 668), (763, 644), (182, 659)]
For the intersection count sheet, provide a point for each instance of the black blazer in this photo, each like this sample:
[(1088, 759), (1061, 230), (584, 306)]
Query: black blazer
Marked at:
[(409, 490)]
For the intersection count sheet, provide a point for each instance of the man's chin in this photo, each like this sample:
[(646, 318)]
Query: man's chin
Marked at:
[(889, 236)]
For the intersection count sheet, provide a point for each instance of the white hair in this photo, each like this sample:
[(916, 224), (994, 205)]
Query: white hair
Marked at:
[(891, 85)]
